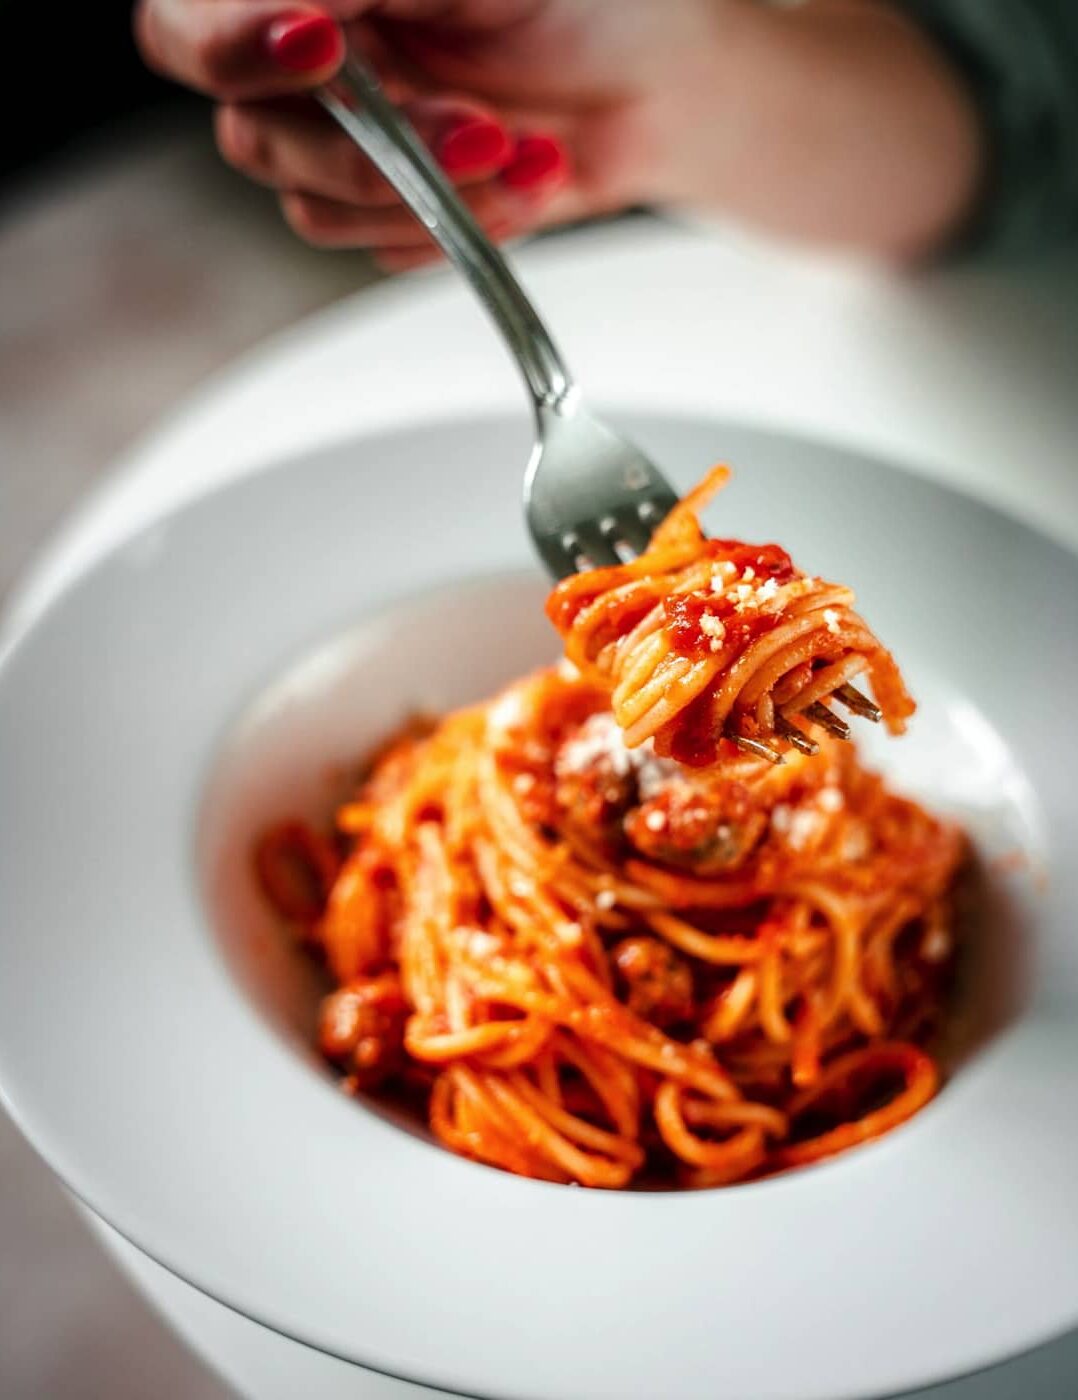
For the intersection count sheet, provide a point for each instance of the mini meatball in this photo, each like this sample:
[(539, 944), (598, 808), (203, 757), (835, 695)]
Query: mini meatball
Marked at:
[(692, 827), (657, 981), (361, 1028)]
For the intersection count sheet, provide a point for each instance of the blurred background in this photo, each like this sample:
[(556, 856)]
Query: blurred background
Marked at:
[(133, 265), (132, 261)]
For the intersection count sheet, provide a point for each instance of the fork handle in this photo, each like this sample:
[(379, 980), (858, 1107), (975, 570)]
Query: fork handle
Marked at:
[(356, 102)]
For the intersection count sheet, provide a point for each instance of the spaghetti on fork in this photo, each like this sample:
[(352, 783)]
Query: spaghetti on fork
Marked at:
[(703, 640)]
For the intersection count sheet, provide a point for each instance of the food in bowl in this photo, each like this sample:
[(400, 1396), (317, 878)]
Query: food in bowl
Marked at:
[(638, 918)]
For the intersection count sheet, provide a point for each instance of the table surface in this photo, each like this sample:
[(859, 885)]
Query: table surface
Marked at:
[(137, 277)]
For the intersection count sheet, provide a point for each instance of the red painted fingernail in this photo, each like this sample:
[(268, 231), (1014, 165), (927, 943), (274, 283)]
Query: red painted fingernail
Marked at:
[(303, 42), (473, 145), (539, 162)]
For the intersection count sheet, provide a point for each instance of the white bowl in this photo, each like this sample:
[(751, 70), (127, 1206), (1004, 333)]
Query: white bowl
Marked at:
[(197, 682)]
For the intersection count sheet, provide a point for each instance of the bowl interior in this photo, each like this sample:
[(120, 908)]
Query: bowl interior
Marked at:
[(295, 749)]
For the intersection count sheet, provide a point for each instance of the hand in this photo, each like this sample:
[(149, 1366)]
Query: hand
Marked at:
[(836, 120), (540, 112)]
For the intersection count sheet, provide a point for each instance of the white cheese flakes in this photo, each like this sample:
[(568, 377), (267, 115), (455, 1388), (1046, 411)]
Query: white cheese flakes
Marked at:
[(796, 825), (597, 740), (714, 629), (856, 844), (767, 590), (481, 944), (653, 774), (506, 713)]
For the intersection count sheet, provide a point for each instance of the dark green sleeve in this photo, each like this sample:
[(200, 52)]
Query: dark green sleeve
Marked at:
[(1020, 58)]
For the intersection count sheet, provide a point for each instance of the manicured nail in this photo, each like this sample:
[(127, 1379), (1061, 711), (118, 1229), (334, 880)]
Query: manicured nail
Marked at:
[(539, 162), (303, 42), (472, 146)]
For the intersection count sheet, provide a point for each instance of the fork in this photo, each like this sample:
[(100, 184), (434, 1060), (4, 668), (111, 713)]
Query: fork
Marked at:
[(591, 497)]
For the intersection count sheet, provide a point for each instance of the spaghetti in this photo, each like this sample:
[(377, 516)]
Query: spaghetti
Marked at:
[(700, 640), (595, 965)]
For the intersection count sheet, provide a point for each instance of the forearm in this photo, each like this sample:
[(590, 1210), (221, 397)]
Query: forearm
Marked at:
[(838, 122)]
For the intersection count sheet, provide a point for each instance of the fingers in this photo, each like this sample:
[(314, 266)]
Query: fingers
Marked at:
[(294, 146), (239, 49), (399, 241), (328, 223), (539, 164), (525, 217), (530, 191), (334, 198)]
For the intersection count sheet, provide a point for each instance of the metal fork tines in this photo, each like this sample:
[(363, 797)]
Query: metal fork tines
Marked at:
[(857, 703), (818, 714), (789, 731), (592, 498)]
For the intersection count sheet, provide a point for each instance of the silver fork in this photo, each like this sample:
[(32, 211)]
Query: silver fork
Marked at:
[(591, 497)]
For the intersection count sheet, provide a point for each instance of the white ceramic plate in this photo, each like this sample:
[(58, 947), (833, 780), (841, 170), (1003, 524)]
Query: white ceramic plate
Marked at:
[(202, 678)]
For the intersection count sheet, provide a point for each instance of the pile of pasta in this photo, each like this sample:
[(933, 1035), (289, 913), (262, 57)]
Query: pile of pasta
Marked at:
[(588, 963)]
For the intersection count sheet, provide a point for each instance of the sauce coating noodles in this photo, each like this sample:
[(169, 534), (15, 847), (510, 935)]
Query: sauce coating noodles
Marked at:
[(702, 639), (592, 965)]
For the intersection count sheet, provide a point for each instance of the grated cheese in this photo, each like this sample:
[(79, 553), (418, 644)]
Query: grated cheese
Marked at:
[(597, 740), (796, 825), (600, 740), (856, 844), (831, 799), (506, 713), (714, 628), (830, 617), (652, 773), (767, 590), (655, 821), (481, 944)]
